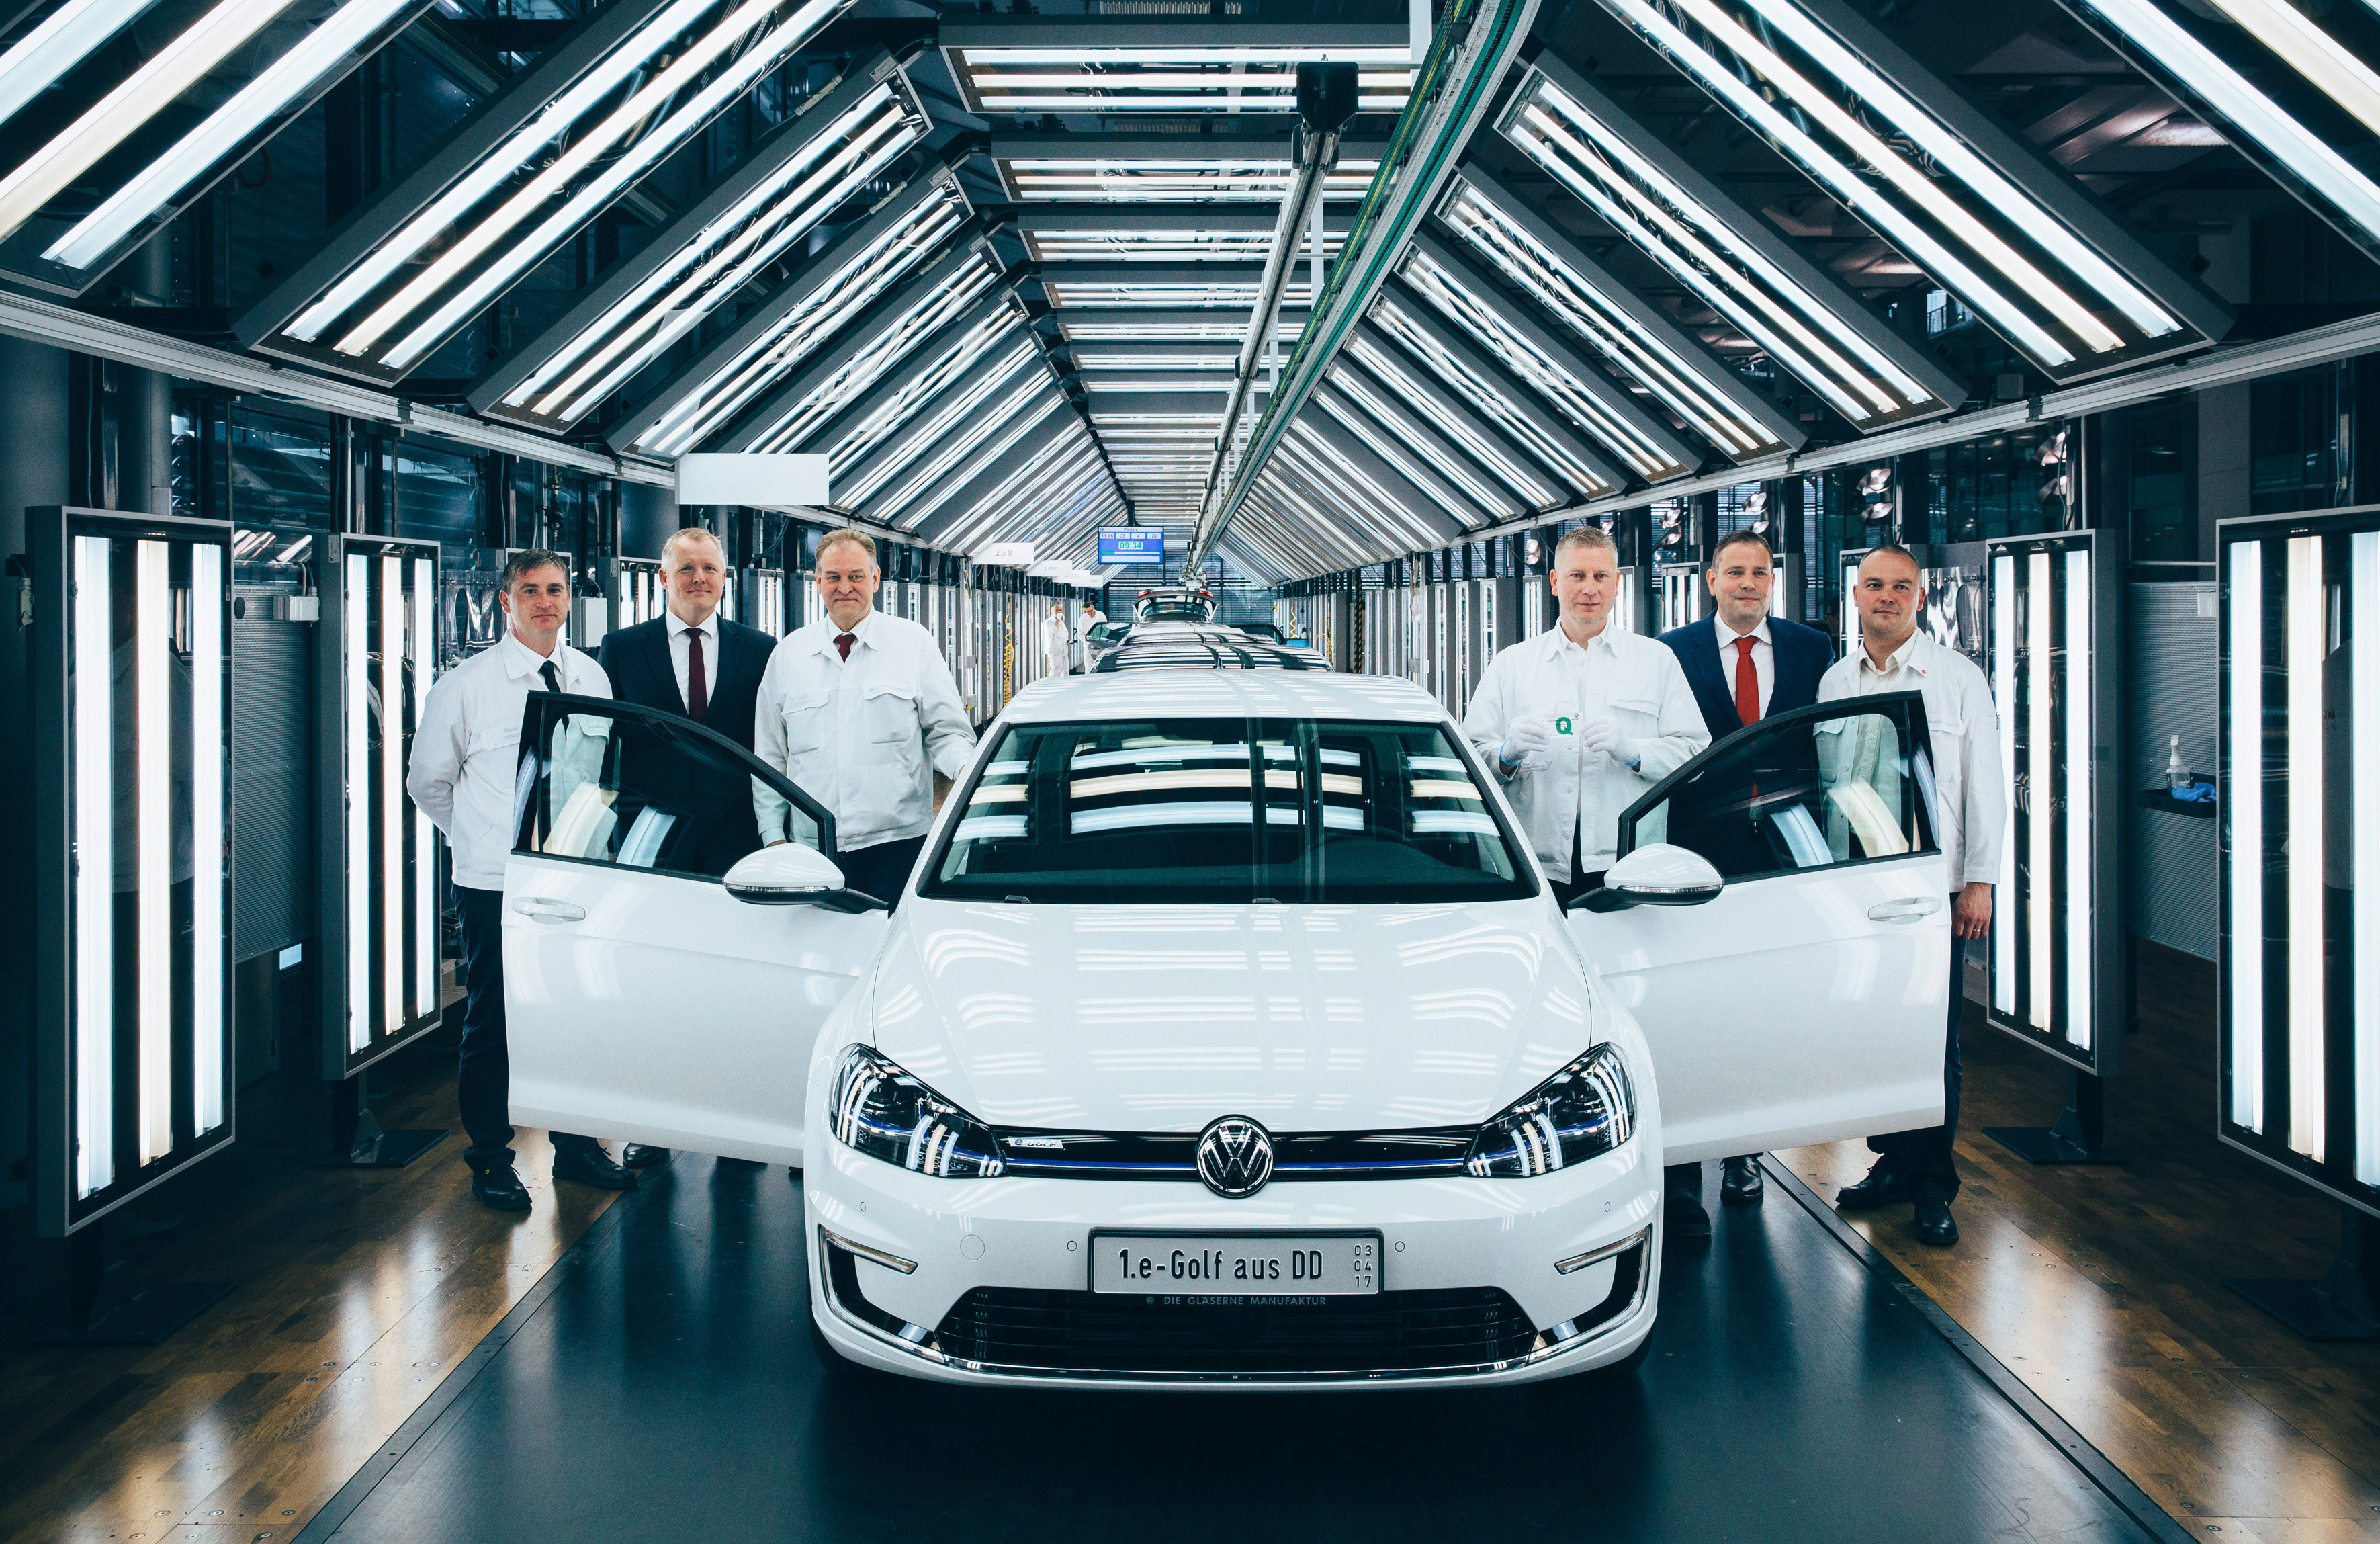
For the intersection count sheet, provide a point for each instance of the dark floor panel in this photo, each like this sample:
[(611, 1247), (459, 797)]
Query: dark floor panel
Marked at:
[(665, 1390)]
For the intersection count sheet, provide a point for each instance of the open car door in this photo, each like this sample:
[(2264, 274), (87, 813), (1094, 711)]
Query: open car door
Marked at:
[(642, 1001), (1807, 999)]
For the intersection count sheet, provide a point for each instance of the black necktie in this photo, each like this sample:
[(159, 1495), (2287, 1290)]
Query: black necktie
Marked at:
[(697, 688), (553, 676)]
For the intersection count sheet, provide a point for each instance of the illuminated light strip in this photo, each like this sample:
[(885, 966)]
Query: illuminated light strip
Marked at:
[(1847, 188), (588, 200), (1002, 427), (1755, 264), (1276, 81), (1313, 447), (2254, 113), (208, 600), (250, 108), (2317, 55), (2039, 905), (503, 162), (1514, 419), (152, 643), (95, 859), (2081, 809), (892, 417), (1390, 419), (1243, 101), (1951, 153), (2364, 684), (66, 37), (2244, 799), (174, 69), (1390, 451), (1808, 355), (425, 832), (865, 367), (1220, 53), (2307, 927), (391, 792), (1687, 390), (2004, 694), (357, 769)]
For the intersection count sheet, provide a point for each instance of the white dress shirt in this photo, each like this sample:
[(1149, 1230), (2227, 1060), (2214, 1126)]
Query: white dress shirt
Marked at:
[(1764, 657), (466, 749), (1970, 803), (681, 651), (863, 738), (1570, 793)]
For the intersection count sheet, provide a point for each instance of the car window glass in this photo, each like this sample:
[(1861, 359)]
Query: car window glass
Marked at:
[(1227, 809), (1805, 792), (643, 793)]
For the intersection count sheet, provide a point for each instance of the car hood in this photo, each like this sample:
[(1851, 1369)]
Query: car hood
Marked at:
[(1161, 1018)]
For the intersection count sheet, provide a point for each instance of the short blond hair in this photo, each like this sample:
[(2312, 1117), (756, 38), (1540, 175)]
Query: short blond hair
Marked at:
[(1586, 536), (693, 533), (859, 538)]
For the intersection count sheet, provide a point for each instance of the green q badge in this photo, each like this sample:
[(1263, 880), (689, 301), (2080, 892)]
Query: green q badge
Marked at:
[(1562, 726)]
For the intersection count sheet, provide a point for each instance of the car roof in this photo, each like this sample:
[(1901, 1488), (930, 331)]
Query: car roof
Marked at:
[(1203, 648), (1222, 694)]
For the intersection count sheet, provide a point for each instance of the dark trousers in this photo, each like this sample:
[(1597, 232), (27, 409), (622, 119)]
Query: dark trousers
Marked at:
[(483, 1070), (1924, 1158), (882, 869)]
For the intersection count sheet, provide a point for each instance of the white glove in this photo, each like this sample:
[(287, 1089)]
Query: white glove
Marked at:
[(1528, 736), (1603, 734)]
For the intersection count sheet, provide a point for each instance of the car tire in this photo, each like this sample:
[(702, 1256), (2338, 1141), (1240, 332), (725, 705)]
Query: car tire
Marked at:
[(834, 1364)]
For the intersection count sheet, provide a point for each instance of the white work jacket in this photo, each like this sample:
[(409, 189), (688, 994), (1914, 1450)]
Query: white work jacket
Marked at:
[(1970, 801), (863, 738), (1570, 793), (1053, 644), (466, 749)]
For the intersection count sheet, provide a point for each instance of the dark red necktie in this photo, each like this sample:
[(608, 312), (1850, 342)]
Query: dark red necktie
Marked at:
[(698, 690), (1747, 683), (843, 642)]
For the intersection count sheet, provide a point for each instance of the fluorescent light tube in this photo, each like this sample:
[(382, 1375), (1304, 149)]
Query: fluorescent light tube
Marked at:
[(2364, 817), (425, 833), (153, 846), (2039, 903), (208, 603), (2080, 900), (222, 131), (66, 37), (391, 867), (2004, 927), (2243, 797), (355, 611), (174, 69), (94, 755), (2303, 628)]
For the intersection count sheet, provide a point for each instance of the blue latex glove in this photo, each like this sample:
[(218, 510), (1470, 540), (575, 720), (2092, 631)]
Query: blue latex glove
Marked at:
[(2197, 793)]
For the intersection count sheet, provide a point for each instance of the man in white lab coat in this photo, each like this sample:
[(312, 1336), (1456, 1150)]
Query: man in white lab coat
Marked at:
[(1055, 639), (859, 710), (466, 753), (1582, 719), (1971, 818)]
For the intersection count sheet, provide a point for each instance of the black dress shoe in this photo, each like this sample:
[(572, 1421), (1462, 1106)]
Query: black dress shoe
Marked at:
[(592, 1165), (636, 1155), (1686, 1217), (499, 1189), (1934, 1223), (1883, 1186), (1740, 1182)]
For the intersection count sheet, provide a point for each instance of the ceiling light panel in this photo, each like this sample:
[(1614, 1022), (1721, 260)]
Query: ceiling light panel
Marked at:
[(778, 335), (1590, 398), (1337, 420), (109, 128), (1003, 424), (1473, 379), (1371, 412), (1417, 394), (1143, 169), (529, 171), (800, 172), (1118, 242), (1976, 208), (2224, 69), (1035, 63), (922, 403), (1157, 326), (1797, 313), (1104, 293)]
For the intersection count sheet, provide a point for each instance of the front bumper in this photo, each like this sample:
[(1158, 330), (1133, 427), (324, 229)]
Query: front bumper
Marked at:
[(983, 1255)]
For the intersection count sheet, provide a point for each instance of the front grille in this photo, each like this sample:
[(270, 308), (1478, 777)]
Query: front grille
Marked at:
[(1123, 1333), (1424, 1153)]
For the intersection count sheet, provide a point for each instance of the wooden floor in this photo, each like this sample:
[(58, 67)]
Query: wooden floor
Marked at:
[(357, 1290), (2101, 1287)]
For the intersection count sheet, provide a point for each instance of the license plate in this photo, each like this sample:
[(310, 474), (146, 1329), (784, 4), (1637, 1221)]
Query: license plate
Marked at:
[(1267, 1265)]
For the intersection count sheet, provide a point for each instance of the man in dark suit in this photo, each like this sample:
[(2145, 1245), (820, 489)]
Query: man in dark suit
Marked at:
[(1743, 665), (692, 661)]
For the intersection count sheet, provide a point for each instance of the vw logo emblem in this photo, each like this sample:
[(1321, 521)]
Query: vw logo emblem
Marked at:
[(1235, 1156)]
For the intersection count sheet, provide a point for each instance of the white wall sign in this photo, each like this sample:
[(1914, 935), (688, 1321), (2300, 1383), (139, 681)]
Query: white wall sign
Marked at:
[(758, 481), (1007, 554)]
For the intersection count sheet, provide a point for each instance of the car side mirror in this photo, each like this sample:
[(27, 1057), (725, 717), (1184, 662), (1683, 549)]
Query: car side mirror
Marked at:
[(789, 874), (1658, 875)]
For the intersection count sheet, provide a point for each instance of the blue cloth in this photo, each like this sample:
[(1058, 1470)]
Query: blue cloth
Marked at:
[(2197, 793)]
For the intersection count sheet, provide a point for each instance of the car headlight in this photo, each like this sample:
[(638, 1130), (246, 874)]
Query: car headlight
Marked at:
[(881, 1111), (1586, 1109)]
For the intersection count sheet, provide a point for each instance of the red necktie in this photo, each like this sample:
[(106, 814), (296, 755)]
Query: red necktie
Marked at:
[(843, 642), (1747, 683), (698, 690)]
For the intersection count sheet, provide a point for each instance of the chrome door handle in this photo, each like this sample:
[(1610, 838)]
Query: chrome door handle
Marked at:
[(549, 911), (1909, 908)]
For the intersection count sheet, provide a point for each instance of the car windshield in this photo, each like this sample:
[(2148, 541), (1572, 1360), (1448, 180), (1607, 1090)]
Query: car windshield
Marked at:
[(1174, 810), (1172, 610)]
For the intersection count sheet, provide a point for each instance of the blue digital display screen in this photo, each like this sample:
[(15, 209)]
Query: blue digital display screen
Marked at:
[(1123, 544)]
